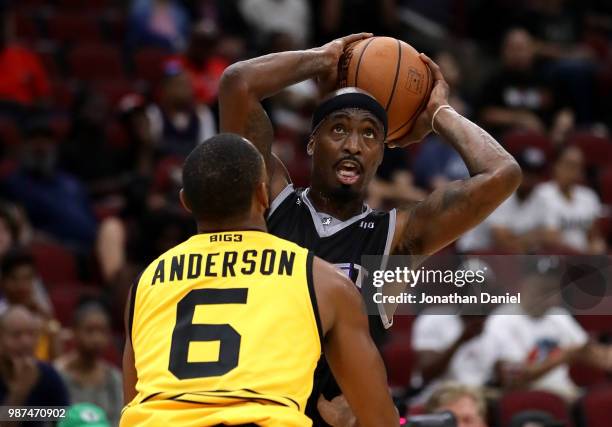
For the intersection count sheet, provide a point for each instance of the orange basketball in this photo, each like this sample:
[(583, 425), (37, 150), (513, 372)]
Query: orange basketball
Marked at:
[(393, 73)]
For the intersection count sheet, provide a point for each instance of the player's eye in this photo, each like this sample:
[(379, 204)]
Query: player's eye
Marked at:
[(369, 133), (339, 129)]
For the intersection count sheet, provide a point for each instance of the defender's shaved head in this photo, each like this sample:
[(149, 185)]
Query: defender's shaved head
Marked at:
[(220, 177)]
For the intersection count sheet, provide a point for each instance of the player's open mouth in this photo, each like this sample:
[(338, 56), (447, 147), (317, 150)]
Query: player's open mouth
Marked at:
[(348, 172)]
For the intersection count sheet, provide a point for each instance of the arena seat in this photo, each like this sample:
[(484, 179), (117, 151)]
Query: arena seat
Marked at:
[(26, 29), (399, 359), (595, 407), (517, 401), (95, 62), (73, 27), (517, 141), (114, 89), (593, 323), (597, 150), (9, 134), (148, 64), (587, 376), (605, 184), (55, 264), (66, 298)]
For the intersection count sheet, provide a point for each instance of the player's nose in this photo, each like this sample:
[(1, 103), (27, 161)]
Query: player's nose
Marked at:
[(352, 144)]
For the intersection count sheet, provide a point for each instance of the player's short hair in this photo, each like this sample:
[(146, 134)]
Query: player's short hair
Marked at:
[(450, 392), (220, 176)]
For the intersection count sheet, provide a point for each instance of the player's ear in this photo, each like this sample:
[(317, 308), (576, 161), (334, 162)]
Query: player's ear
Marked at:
[(184, 201), (310, 146), (261, 194)]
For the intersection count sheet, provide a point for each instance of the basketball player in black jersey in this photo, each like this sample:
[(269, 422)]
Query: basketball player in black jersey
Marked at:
[(346, 145)]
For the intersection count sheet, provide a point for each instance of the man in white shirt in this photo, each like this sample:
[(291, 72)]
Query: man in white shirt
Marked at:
[(536, 341), (570, 210), (451, 347)]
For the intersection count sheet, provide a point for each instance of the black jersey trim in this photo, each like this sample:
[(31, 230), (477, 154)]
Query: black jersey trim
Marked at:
[(280, 198), (313, 295), (132, 303)]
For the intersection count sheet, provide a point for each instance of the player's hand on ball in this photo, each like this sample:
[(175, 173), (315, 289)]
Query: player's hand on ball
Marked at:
[(333, 50), (439, 96), (337, 412)]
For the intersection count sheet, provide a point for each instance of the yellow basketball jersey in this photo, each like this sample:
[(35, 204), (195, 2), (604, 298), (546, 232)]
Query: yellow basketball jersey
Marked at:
[(225, 330)]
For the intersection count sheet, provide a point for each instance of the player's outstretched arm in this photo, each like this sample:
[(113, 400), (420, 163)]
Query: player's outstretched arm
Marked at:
[(452, 210), (245, 84), (349, 349)]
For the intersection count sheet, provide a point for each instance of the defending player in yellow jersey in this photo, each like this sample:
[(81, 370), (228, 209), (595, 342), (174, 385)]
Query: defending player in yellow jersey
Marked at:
[(225, 329)]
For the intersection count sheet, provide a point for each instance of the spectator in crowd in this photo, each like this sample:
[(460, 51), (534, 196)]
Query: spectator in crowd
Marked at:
[(24, 380), (178, 124), (518, 96), (290, 17), (451, 347), (161, 23), (202, 63), (517, 225), (56, 202), (23, 80), (537, 339), (20, 285), (465, 403), (570, 210), (88, 154), (87, 376)]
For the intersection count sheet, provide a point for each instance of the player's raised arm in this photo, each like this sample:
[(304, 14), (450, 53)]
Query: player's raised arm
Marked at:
[(452, 210), (245, 84), (349, 349)]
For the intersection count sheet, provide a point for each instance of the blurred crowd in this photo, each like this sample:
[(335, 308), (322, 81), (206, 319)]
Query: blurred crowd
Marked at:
[(101, 100)]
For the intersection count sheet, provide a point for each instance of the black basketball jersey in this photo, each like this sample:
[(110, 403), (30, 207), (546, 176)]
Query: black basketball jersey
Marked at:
[(293, 217)]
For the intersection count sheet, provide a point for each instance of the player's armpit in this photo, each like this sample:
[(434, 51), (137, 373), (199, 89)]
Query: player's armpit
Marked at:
[(129, 373), (354, 359), (128, 362)]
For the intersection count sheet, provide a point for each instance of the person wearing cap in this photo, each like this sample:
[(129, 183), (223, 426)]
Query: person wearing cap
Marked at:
[(349, 129), (517, 226)]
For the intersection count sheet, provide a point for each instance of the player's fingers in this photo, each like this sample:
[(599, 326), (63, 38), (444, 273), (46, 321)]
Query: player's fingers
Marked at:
[(435, 68), (355, 37)]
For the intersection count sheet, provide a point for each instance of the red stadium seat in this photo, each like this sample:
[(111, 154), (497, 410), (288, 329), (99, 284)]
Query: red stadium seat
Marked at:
[(595, 407), (63, 93), (587, 376), (149, 63), (25, 28), (517, 141), (597, 150), (598, 324), (399, 359), (55, 264), (73, 27), (514, 402), (9, 134), (95, 62), (114, 89), (80, 4), (605, 184), (66, 298)]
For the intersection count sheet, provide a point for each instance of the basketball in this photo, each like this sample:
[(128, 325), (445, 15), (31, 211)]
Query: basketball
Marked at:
[(391, 71)]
